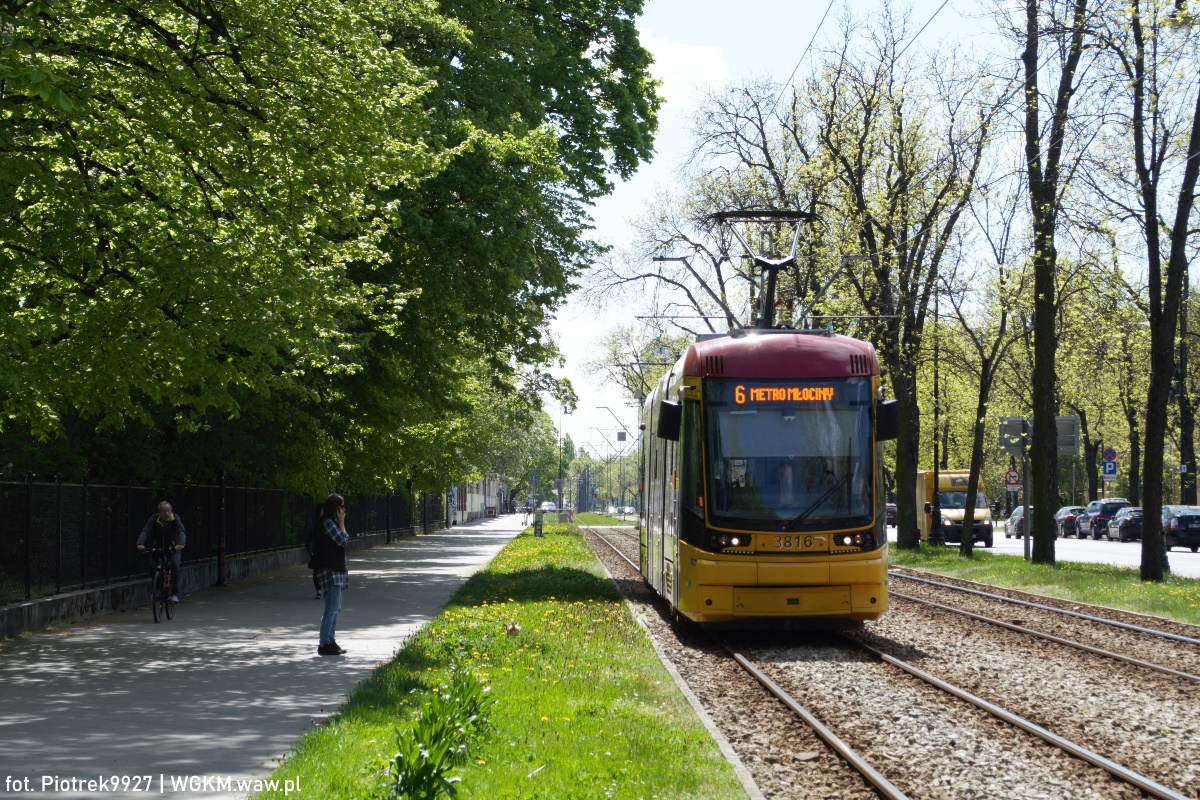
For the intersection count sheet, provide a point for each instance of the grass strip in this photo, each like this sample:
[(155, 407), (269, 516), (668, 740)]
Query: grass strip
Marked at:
[(1099, 584), (583, 708)]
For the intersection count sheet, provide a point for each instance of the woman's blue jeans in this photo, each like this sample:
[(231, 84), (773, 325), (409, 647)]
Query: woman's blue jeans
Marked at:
[(333, 604)]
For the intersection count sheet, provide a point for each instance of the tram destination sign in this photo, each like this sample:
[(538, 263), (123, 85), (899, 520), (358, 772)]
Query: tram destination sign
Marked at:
[(782, 394)]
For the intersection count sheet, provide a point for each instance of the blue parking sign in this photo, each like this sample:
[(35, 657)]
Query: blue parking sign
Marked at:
[(1110, 468)]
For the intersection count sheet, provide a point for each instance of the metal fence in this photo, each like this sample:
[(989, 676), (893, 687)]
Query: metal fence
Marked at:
[(57, 537)]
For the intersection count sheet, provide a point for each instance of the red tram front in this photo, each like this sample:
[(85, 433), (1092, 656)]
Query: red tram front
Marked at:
[(763, 497)]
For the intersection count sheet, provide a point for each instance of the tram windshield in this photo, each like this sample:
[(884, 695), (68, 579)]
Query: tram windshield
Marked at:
[(790, 454)]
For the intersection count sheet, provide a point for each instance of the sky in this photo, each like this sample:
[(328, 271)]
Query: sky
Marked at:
[(696, 44)]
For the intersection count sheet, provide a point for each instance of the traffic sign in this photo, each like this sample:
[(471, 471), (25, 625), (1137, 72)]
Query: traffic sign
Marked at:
[(1012, 478), (1110, 469), (1109, 455), (1012, 435)]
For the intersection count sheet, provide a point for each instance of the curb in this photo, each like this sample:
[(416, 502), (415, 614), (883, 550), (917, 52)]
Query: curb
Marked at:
[(731, 756)]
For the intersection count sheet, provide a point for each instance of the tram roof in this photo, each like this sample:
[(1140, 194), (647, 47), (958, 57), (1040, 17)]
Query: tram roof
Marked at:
[(780, 354)]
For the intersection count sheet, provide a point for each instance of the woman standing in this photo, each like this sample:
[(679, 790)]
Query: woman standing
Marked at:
[(331, 572)]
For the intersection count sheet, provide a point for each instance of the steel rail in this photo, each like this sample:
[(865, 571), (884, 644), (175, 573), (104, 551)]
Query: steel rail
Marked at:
[(600, 536), (1175, 636), (860, 764), (1051, 637), (864, 768), (1144, 783)]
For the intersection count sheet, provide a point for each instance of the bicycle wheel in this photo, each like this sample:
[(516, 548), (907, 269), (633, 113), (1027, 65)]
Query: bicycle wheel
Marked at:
[(156, 595), (167, 605)]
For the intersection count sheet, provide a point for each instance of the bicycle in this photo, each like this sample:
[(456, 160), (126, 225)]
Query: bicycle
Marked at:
[(160, 585)]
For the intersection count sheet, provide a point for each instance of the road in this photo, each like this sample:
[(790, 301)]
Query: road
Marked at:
[(1122, 554)]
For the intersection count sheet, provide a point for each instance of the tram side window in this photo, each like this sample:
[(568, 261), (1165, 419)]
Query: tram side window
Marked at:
[(691, 468)]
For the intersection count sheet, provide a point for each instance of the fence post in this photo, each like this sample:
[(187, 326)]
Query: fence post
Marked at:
[(221, 532), (83, 537), (28, 535), (388, 500), (58, 532)]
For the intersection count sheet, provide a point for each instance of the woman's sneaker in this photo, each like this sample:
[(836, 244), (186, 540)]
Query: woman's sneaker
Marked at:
[(330, 649)]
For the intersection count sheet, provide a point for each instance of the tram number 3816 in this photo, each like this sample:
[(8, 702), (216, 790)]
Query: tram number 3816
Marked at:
[(799, 542)]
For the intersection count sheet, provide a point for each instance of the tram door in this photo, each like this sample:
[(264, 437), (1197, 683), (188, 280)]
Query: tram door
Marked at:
[(652, 564), (670, 545)]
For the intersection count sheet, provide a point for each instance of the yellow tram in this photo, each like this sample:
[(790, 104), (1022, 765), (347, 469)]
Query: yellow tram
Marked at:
[(763, 500)]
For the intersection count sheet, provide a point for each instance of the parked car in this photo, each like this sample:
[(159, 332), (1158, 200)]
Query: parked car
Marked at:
[(549, 507), (1065, 520), (1181, 527), (890, 514), (1126, 525), (1016, 523), (1094, 520)]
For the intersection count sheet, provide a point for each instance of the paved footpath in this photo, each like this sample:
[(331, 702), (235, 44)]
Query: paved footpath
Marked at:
[(224, 689)]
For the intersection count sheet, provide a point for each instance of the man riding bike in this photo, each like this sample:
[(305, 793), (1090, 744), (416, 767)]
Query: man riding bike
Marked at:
[(165, 531)]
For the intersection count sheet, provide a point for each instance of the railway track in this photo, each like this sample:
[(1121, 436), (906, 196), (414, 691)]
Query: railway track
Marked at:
[(1169, 652), (791, 672)]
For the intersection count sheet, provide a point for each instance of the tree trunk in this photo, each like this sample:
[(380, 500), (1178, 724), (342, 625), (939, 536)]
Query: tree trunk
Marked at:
[(1044, 202), (1165, 295), (1043, 451), (1135, 456), (908, 535), (966, 547)]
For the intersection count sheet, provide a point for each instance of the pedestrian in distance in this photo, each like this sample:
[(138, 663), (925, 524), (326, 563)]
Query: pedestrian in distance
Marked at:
[(330, 567), (310, 531), (165, 531)]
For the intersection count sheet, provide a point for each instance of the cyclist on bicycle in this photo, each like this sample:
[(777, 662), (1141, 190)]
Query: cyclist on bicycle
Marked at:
[(165, 531)]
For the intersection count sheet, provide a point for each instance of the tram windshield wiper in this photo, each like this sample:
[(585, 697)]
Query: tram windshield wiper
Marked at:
[(803, 515)]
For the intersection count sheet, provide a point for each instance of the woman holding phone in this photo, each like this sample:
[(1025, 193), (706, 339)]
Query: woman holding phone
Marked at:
[(330, 569)]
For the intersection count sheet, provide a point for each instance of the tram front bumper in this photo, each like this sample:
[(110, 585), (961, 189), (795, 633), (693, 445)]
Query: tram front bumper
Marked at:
[(732, 603), (848, 589)]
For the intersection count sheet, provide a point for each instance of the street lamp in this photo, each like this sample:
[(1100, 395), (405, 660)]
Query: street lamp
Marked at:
[(936, 534)]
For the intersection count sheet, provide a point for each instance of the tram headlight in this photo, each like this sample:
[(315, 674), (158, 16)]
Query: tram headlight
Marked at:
[(864, 541)]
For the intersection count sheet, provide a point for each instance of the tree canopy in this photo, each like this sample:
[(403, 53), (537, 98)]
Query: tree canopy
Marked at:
[(307, 244)]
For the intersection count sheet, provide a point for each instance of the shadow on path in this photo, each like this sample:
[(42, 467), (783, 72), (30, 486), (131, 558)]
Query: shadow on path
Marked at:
[(228, 685)]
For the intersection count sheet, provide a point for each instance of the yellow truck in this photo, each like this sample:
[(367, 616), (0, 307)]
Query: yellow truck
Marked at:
[(952, 495)]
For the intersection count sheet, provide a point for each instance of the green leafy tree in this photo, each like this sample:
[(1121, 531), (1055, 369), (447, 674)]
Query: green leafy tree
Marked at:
[(307, 247), (183, 229)]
